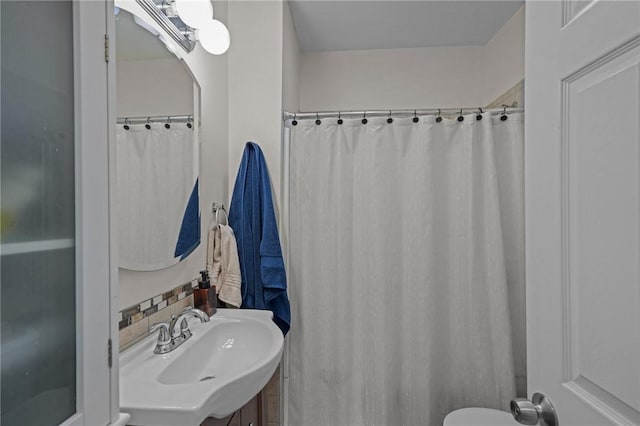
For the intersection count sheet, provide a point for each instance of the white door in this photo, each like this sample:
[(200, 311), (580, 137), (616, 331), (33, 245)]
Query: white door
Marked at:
[(582, 166)]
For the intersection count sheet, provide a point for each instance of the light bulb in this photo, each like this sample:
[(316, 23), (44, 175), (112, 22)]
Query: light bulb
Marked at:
[(214, 37), (194, 13)]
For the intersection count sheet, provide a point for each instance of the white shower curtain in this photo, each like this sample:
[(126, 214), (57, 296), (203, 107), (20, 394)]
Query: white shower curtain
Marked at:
[(398, 282), (155, 180)]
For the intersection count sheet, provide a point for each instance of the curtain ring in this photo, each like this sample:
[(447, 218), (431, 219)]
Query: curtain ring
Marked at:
[(438, 117), (389, 120), (364, 118), (340, 120), (460, 117), (126, 123), (294, 122), (148, 126), (503, 115), (479, 115), (318, 122), (415, 116), (167, 125)]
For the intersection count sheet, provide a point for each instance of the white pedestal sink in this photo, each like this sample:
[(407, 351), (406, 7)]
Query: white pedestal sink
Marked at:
[(224, 365)]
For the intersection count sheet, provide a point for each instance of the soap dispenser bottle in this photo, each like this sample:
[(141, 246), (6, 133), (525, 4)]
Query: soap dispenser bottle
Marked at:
[(204, 297)]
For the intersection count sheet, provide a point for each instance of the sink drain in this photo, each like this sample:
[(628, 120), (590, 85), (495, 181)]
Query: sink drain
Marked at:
[(207, 378)]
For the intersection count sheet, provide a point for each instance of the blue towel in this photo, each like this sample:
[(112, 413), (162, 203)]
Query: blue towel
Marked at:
[(251, 215), (189, 237)]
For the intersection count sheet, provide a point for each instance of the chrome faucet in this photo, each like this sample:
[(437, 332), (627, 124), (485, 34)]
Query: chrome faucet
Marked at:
[(183, 332), (176, 332)]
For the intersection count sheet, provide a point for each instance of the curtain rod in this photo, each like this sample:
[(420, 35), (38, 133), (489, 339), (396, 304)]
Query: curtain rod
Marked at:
[(399, 113), (156, 119)]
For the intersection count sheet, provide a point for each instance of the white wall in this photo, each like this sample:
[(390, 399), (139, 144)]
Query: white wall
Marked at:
[(388, 79), (211, 73), (153, 87), (432, 77), (291, 64), (255, 84), (502, 58)]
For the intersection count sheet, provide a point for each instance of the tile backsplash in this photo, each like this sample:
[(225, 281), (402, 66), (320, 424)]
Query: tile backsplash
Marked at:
[(134, 321)]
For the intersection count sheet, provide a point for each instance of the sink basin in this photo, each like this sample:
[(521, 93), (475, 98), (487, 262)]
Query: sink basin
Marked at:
[(226, 362)]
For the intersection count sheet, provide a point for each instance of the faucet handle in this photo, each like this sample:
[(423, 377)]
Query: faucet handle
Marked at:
[(187, 308), (165, 335)]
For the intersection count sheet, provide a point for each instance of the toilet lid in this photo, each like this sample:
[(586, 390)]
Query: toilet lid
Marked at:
[(479, 417)]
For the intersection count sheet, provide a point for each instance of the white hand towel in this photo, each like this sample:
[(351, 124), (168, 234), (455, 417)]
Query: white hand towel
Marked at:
[(214, 260), (223, 264), (230, 291)]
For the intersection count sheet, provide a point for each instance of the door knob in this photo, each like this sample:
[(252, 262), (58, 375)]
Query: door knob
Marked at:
[(539, 410)]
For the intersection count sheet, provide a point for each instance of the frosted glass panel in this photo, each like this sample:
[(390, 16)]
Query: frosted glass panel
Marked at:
[(37, 214)]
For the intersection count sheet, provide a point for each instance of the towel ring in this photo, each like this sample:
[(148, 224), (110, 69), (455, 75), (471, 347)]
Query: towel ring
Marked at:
[(216, 210)]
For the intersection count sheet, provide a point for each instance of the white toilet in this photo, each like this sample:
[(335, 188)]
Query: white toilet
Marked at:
[(479, 417)]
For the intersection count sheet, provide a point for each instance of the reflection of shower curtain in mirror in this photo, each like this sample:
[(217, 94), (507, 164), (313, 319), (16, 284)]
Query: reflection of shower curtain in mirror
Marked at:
[(155, 180)]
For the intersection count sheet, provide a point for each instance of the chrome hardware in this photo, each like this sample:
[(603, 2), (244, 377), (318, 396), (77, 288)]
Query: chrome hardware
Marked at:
[(106, 48), (184, 325), (165, 341), (177, 30), (216, 209), (538, 411), (177, 331), (110, 353)]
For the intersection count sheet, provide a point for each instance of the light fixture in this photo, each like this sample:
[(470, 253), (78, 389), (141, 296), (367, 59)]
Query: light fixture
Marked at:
[(194, 13), (214, 37), (163, 13), (186, 21)]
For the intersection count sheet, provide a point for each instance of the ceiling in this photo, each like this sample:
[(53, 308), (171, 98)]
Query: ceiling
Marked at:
[(381, 24)]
